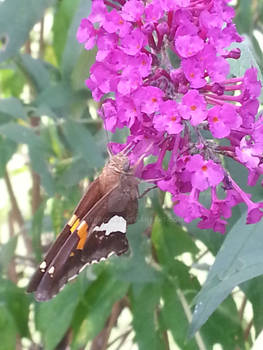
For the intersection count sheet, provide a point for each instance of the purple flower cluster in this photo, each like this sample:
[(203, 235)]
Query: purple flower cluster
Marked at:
[(162, 71)]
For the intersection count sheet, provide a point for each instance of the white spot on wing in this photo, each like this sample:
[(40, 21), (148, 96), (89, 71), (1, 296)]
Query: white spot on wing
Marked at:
[(110, 254), (115, 224), (51, 271), (83, 267), (43, 266)]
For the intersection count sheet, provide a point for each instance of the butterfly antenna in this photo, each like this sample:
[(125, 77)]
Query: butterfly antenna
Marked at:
[(126, 150), (108, 142), (142, 156)]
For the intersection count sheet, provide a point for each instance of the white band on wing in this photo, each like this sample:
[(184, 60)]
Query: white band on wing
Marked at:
[(115, 224)]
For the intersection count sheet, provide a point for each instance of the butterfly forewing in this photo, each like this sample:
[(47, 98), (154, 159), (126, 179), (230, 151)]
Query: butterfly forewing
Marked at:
[(91, 196)]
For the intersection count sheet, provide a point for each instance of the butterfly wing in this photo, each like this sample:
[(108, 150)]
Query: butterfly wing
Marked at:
[(97, 251), (91, 196), (99, 234)]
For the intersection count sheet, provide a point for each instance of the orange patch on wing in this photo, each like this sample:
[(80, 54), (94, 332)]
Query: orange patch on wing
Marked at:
[(75, 225), (72, 220), (82, 233)]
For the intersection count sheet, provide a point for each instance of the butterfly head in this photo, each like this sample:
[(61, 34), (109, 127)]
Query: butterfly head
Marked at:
[(120, 163)]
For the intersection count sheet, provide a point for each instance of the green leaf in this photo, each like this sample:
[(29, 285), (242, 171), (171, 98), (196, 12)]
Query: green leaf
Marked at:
[(82, 143), (12, 107), (7, 251), (247, 59), (40, 165), (77, 171), (7, 149), (57, 214), (58, 98), (253, 290), (37, 151), (8, 330), (243, 18), (62, 21), (17, 303), (224, 327), (145, 301), (170, 240), (96, 305), (239, 259), (15, 28), (36, 229), (73, 48), (54, 317), (12, 81), (82, 67), (36, 71), (22, 134), (174, 315)]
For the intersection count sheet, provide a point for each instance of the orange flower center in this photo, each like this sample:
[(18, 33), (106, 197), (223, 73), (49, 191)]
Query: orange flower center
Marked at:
[(215, 119), (193, 107)]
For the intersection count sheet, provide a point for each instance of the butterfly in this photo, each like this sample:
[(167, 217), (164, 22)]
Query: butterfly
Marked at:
[(96, 230)]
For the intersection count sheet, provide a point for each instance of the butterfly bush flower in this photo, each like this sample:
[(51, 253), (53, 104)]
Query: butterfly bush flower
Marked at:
[(162, 71)]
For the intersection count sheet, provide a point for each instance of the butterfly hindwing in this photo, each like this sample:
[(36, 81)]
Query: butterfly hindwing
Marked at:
[(99, 248)]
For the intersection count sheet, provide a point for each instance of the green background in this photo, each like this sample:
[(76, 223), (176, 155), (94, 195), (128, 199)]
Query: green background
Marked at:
[(51, 144)]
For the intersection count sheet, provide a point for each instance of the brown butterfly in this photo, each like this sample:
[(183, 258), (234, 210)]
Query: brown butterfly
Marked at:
[(96, 230)]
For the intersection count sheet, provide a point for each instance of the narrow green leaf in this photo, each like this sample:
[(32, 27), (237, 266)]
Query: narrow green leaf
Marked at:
[(7, 149), (36, 71), (73, 48), (77, 171), (39, 164), (57, 214), (8, 330), (21, 134), (12, 107), (145, 301), (253, 290), (54, 317), (7, 251), (36, 230), (16, 31), (169, 239), (37, 151), (224, 327), (17, 303), (247, 59), (239, 259), (174, 315), (96, 305), (12, 81), (62, 21), (58, 98), (243, 18), (82, 143)]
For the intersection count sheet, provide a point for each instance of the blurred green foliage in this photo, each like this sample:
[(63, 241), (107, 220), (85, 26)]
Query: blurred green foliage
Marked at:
[(50, 141)]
